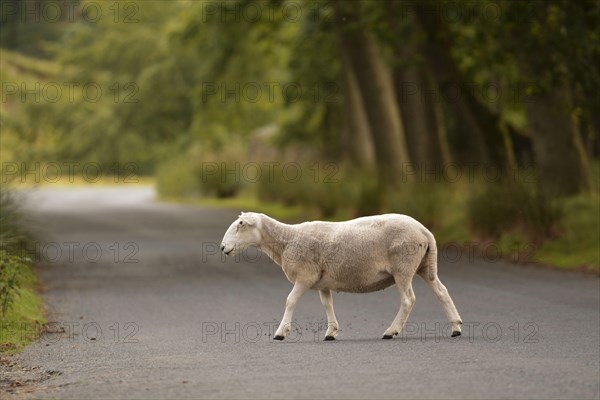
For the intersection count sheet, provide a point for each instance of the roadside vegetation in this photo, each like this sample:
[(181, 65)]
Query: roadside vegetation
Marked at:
[(21, 307), (512, 221), (373, 106)]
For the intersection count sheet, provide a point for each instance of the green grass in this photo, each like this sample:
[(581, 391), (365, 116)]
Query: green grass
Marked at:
[(21, 308), (22, 322), (577, 246)]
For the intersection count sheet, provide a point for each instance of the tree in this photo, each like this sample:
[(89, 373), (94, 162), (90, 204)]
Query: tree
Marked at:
[(377, 91), (541, 35), (359, 130), (484, 125), (415, 90)]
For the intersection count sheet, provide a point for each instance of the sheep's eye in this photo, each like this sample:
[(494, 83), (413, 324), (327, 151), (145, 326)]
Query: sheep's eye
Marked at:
[(241, 222)]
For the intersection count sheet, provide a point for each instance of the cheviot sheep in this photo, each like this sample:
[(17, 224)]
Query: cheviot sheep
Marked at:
[(361, 255)]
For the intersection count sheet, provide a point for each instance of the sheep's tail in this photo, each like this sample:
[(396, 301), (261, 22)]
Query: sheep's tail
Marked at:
[(428, 267)]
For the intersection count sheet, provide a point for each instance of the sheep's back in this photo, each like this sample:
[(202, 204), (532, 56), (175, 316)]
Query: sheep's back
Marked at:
[(365, 240)]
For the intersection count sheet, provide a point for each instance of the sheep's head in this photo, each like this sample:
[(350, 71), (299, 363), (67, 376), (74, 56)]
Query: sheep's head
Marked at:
[(243, 232)]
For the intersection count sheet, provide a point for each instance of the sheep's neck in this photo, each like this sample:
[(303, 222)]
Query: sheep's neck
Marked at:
[(275, 238)]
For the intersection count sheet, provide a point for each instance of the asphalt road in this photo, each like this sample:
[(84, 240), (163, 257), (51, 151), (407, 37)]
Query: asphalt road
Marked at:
[(150, 309)]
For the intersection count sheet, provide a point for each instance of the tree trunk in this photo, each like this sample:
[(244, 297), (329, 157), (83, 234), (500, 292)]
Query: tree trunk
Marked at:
[(425, 133), (552, 129), (360, 144), (12, 25), (377, 90), (420, 109), (483, 124)]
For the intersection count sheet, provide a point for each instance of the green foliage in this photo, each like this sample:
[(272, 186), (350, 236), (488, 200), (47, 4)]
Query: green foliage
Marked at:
[(313, 114), (204, 171), (176, 178), (370, 196), (426, 202), (22, 28), (184, 89), (20, 306), (279, 187), (11, 269), (13, 238), (577, 244), (175, 76), (331, 196), (499, 208), (14, 250), (221, 173), (22, 322)]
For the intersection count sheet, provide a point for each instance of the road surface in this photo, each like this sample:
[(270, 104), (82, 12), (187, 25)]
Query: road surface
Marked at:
[(150, 309)]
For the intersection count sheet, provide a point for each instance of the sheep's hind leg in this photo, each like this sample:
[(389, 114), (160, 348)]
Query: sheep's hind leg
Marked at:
[(290, 305), (407, 300), (332, 324), (444, 297)]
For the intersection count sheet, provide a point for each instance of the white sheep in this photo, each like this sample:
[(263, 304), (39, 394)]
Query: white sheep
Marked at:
[(361, 255)]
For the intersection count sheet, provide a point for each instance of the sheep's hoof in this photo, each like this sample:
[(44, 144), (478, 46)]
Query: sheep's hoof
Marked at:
[(329, 338), (455, 333), (386, 337), (278, 337)]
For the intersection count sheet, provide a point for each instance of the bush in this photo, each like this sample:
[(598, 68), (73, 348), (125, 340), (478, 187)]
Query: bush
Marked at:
[(513, 206), (14, 245), (428, 203), (577, 245), (201, 171), (220, 179), (276, 187), (331, 196), (12, 235), (369, 197), (12, 267), (221, 171), (176, 178)]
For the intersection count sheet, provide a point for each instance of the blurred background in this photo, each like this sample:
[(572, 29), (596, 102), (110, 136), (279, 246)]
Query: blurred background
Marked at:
[(133, 132), (479, 118)]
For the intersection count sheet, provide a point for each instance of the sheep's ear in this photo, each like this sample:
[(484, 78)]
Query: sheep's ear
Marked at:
[(248, 219)]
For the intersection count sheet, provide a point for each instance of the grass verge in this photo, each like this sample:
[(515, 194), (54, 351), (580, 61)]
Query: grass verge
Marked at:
[(21, 308), (22, 322), (577, 244)]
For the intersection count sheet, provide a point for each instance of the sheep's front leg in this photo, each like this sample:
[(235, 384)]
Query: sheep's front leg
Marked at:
[(407, 300), (332, 324), (290, 305)]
